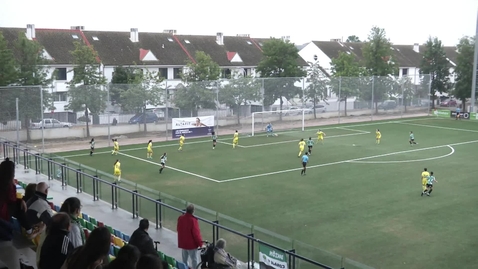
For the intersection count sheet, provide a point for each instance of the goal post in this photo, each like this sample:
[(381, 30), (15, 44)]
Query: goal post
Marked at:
[(281, 120)]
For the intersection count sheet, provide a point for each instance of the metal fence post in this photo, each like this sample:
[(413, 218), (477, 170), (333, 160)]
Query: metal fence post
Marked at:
[(114, 201), (291, 259), (250, 251), (25, 160), (134, 201), (215, 231), (159, 213), (50, 169), (37, 164), (79, 185), (95, 188), (63, 172)]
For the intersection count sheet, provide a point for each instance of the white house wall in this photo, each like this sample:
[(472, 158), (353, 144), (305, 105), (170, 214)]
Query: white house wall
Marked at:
[(310, 50)]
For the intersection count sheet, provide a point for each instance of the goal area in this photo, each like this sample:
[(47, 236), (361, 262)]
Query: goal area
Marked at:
[(281, 120)]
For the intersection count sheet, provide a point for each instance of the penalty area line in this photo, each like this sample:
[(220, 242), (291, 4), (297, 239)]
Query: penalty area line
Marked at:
[(296, 140), (170, 167), (346, 161)]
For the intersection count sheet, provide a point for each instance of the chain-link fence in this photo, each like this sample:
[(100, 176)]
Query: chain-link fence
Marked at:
[(136, 110)]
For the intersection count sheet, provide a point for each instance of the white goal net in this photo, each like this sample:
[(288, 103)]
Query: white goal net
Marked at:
[(280, 120)]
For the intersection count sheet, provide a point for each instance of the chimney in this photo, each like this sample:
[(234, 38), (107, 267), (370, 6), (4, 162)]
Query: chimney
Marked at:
[(81, 28), (220, 38), (31, 31), (285, 38), (416, 47), (170, 31), (134, 35)]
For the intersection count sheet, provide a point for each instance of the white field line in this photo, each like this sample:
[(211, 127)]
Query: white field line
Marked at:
[(296, 140), (410, 161), (440, 127), (220, 140), (346, 161), (353, 130), (170, 167), (230, 144)]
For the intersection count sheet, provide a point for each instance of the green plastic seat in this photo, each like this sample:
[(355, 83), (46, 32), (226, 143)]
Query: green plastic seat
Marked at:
[(90, 226), (93, 221), (110, 229), (82, 222)]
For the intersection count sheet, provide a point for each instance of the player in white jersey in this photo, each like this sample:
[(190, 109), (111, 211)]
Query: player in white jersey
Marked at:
[(163, 160)]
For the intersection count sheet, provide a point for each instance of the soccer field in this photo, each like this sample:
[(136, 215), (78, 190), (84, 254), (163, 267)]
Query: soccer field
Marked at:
[(359, 199)]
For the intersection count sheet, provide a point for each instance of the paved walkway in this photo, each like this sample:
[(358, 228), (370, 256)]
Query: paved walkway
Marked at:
[(118, 218)]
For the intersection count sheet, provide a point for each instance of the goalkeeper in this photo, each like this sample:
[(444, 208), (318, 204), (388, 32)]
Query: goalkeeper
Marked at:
[(270, 130)]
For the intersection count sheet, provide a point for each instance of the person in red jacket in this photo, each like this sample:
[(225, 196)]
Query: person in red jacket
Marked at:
[(189, 236)]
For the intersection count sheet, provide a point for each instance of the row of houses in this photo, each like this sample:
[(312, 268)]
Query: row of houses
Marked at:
[(168, 53)]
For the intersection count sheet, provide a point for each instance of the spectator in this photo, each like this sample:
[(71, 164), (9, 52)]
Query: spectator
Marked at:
[(93, 253), (11, 206), (149, 262), (57, 245), (72, 207), (141, 239), (189, 236), (29, 191), (221, 257), (127, 258), (38, 208)]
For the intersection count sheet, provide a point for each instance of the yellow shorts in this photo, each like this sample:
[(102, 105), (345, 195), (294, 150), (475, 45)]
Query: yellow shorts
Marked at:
[(235, 141), (424, 181), (117, 173), (320, 138), (181, 144), (150, 151), (301, 148)]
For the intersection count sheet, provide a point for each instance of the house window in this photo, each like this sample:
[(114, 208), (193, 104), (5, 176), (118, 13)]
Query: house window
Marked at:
[(163, 72), (404, 71), (177, 73), (61, 96), (60, 73), (226, 73), (247, 72)]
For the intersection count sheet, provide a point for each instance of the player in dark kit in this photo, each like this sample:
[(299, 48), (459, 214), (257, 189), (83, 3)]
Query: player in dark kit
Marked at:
[(214, 139)]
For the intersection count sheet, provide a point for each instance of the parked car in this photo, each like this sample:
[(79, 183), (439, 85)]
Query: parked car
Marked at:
[(319, 109), (388, 104), (448, 103), (139, 118), (50, 123)]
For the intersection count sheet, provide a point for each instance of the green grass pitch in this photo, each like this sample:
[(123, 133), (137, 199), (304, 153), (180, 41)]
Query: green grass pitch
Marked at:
[(359, 200)]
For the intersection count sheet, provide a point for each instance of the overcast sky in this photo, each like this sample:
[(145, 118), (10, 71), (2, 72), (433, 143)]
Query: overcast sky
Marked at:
[(405, 21)]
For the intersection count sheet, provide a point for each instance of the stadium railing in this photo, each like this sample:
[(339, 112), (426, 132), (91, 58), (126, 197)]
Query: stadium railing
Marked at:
[(243, 238)]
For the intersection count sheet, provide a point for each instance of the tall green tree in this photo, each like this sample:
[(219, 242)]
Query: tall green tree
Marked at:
[(122, 77), (346, 72), (464, 69), (318, 86), (435, 64), (200, 84), (378, 60), (240, 92), (8, 76), (280, 64), (353, 39), (86, 91), (32, 81)]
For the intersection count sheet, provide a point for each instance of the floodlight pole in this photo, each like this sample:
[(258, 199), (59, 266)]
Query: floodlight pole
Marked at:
[(475, 69)]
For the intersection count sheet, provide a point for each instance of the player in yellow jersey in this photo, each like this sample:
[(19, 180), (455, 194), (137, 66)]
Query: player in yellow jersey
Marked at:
[(149, 150), (181, 142), (378, 136), (115, 147), (235, 140), (425, 175), (117, 170), (301, 147), (320, 137)]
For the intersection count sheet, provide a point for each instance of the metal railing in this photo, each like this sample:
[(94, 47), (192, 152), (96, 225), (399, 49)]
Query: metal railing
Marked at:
[(83, 179)]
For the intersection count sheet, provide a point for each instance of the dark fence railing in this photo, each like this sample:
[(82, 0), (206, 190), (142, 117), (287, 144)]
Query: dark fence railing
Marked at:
[(97, 187)]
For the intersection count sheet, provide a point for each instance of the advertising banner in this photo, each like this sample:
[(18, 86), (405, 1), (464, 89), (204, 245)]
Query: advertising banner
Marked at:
[(270, 258), (463, 115), (442, 113), (193, 127), (474, 116)]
